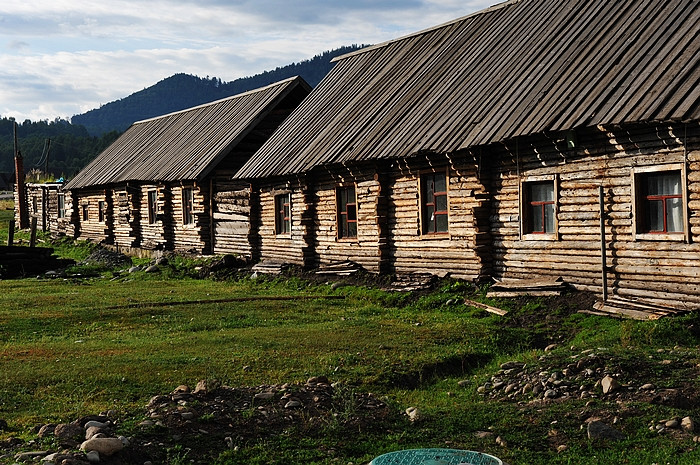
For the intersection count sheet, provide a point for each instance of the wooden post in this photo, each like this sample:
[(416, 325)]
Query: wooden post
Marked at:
[(21, 206), (32, 240), (603, 256), (11, 233)]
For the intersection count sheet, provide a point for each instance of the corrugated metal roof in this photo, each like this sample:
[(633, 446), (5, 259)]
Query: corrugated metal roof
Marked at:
[(186, 144), (519, 68)]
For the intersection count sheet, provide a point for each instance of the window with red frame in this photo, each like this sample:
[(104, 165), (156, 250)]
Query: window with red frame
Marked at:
[(434, 207), (540, 207), (660, 204), (347, 212), (283, 219)]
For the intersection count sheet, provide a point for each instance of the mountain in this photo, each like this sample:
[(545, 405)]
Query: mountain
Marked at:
[(184, 91)]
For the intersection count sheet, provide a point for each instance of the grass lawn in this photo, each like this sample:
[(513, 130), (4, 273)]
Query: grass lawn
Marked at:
[(71, 347)]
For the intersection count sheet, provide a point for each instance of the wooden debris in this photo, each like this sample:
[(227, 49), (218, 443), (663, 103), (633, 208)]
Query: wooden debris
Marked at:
[(488, 308), (345, 268), (520, 287), (413, 282), (634, 309), (273, 268)]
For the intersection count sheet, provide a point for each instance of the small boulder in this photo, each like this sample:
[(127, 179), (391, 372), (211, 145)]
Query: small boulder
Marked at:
[(413, 413), (68, 431), (599, 430), (105, 446), (688, 424), (609, 384)]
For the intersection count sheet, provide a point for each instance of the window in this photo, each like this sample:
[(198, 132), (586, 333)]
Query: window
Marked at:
[(660, 200), (283, 221), (434, 203), (35, 206), (102, 211), (187, 205), (347, 212), (540, 207), (152, 206), (84, 208), (61, 205)]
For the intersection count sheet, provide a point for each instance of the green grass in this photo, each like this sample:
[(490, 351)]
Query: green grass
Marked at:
[(81, 346)]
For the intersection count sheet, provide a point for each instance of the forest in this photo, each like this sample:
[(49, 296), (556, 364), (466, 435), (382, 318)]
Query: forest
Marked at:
[(59, 145)]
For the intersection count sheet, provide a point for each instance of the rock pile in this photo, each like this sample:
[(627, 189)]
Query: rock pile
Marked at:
[(208, 419)]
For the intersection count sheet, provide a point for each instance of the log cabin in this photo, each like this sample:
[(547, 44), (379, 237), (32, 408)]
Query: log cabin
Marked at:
[(532, 139), (50, 205), (166, 183)]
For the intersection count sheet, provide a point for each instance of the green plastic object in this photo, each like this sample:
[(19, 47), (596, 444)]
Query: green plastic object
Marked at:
[(436, 457)]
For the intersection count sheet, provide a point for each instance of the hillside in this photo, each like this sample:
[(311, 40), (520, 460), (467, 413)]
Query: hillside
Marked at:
[(184, 91)]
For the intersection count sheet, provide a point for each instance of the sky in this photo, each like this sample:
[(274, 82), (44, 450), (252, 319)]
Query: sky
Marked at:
[(59, 58)]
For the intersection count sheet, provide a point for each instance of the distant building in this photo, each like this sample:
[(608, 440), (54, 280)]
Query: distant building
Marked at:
[(166, 183)]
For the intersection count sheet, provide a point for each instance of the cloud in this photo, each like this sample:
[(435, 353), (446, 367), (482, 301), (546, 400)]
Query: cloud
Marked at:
[(65, 57)]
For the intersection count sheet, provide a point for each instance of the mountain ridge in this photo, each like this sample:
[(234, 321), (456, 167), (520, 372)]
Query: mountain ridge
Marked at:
[(181, 91)]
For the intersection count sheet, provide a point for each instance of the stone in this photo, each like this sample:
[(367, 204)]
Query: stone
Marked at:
[(600, 430), (93, 456), (96, 424), (609, 384), (293, 404), (30, 456), (464, 383), (68, 431), (483, 434), (205, 386), (46, 430), (188, 415), (318, 380), (551, 394), (183, 388), (501, 442), (92, 431), (512, 364), (673, 423), (105, 446), (688, 424), (264, 395), (134, 269), (413, 413), (647, 387), (562, 448), (551, 347), (152, 269)]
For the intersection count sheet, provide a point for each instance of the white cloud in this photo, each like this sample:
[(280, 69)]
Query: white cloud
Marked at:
[(65, 57)]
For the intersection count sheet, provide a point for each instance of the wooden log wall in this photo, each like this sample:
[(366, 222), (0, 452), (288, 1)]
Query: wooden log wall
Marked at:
[(661, 271), (293, 248), (231, 214), (194, 237), (93, 229), (461, 251), (365, 248)]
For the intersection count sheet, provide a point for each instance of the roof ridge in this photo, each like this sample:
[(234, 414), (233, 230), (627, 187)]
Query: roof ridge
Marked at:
[(216, 102), (490, 9)]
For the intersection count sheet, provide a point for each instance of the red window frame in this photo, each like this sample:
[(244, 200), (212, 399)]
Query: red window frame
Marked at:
[(540, 205), (283, 213), (347, 212), (431, 225), (663, 198)]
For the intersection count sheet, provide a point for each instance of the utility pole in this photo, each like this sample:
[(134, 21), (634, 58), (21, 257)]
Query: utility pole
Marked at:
[(21, 188), (48, 150)]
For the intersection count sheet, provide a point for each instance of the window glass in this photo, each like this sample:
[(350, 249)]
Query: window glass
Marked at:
[(539, 207), (282, 214), (347, 212), (434, 203), (661, 202)]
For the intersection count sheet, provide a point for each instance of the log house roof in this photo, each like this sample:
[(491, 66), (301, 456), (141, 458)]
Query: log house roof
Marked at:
[(184, 145), (518, 68)]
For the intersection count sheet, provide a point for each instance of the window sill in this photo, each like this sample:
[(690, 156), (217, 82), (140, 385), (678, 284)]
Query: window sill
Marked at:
[(674, 237), (435, 236), (347, 239), (539, 237)]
